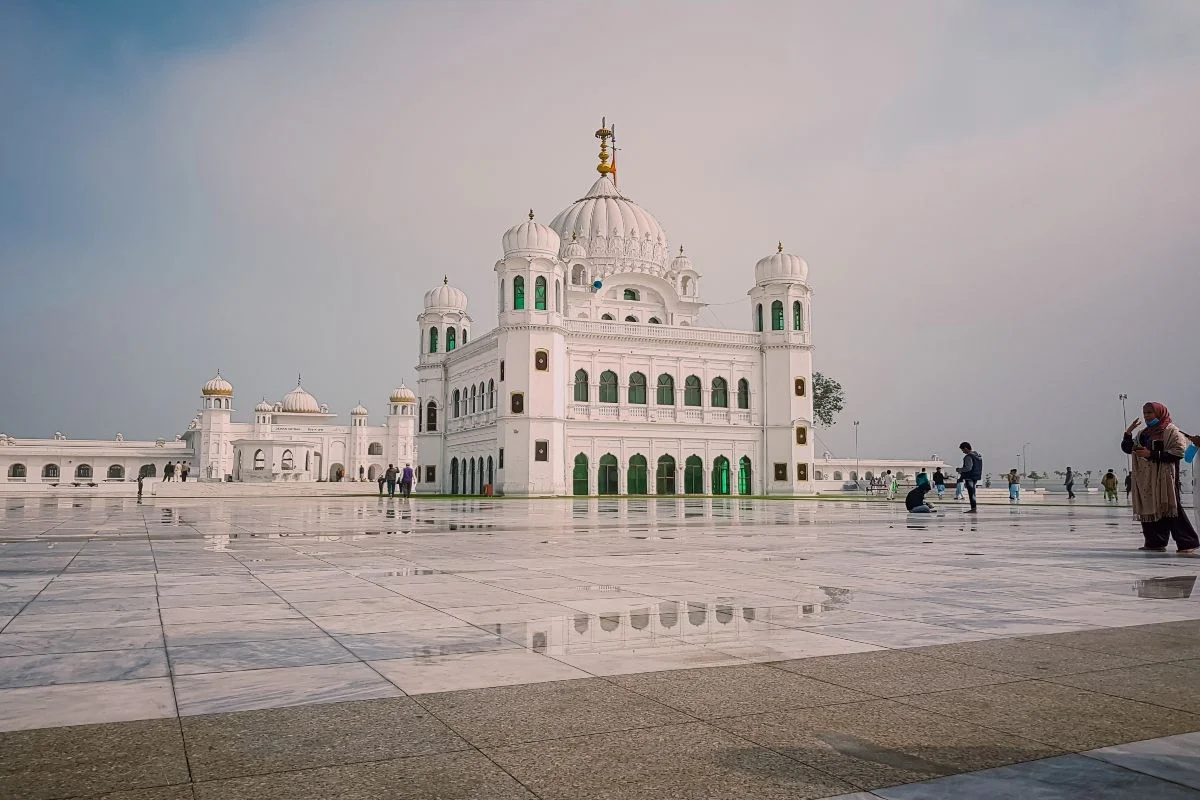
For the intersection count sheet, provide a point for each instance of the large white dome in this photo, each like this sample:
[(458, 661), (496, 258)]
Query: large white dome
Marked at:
[(780, 266), (610, 226), (446, 297), (530, 239), (298, 401)]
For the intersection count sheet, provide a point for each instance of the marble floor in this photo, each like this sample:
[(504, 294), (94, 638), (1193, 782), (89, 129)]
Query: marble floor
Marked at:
[(778, 643)]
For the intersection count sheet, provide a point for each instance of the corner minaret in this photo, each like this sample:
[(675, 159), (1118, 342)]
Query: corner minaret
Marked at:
[(401, 427), (444, 325), (213, 453), (780, 313)]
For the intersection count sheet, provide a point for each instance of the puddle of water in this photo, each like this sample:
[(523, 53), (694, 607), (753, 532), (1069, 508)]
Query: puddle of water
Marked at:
[(1177, 588)]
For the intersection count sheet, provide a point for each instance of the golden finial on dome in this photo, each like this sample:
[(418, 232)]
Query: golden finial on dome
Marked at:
[(604, 134), (445, 280), (680, 249), (531, 215), (780, 250)]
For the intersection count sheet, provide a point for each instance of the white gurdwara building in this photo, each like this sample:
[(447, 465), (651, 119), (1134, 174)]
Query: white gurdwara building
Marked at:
[(598, 378)]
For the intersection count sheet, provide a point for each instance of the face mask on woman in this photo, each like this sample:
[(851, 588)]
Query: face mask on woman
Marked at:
[(1152, 423)]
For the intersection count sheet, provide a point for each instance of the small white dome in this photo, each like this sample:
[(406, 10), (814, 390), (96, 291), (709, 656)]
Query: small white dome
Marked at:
[(264, 407), (681, 262), (573, 250), (217, 387), (402, 394), (298, 401), (446, 296), (530, 239), (358, 411), (780, 266)]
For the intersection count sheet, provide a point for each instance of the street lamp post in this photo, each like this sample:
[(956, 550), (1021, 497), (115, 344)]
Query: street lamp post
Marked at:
[(1025, 456), (1124, 416), (857, 474)]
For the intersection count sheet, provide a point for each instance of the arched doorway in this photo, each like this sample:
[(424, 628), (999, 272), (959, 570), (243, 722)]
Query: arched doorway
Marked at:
[(373, 472), (316, 470), (607, 478), (635, 480), (336, 472), (454, 476), (472, 477), (664, 477), (579, 476), (693, 475), (744, 475), (491, 472), (147, 471), (720, 475)]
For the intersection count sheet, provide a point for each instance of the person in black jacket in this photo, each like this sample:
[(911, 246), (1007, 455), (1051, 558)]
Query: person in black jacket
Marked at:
[(914, 501), (970, 472)]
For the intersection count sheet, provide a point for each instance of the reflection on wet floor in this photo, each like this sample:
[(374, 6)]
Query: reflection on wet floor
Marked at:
[(1177, 588)]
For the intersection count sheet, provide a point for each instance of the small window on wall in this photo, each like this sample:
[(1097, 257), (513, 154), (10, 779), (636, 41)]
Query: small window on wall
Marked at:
[(501, 370), (517, 403), (260, 460), (801, 435), (781, 472), (518, 293), (500, 460), (430, 474), (539, 294), (802, 472), (541, 360), (655, 321), (541, 450), (607, 317), (800, 387), (632, 294), (451, 341)]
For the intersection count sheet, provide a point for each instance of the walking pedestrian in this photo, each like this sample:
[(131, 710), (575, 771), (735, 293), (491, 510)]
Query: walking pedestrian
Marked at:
[(140, 477), (390, 476), (970, 473), (1128, 484), (406, 481), (1109, 482), (184, 469), (1156, 453), (168, 471), (890, 479), (1069, 482), (380, 480), (1014, 486), (939, 482)]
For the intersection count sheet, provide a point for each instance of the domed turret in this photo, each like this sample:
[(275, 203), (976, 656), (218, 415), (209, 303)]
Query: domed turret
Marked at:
[(573, 250), (446, 297), (530, 239), (780, 266), (359, 411), (217, 387), (402, 394), (264, 407), (681, 263), (298, 401)]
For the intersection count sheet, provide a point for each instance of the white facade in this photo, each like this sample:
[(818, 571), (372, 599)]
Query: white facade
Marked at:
[(598, 378), (293, 440)]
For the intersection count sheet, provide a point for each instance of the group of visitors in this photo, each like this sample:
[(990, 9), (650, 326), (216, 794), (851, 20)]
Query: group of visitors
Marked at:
[(1157, 502), (173, 471), (969, 475), (392, 475)]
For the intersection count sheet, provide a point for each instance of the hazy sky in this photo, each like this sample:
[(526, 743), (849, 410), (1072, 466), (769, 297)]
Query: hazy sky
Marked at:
[(999, 202)]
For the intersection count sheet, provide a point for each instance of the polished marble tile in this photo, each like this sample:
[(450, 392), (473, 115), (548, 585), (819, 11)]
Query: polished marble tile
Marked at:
[(899, 633), (89, 667), (220, 692), (233, 656), (1171, 758), (209, 614), (197, 633), (386, 622), (444, 673), (85, 703), (520, 612), (81, 620), (424, 643)]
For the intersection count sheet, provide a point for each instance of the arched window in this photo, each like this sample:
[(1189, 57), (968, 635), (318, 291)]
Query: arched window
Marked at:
[(666, 390), (491, 393), (491, 471), (457, 401), (637, 391), (474, 396), (607, 317), (837, 476), (632, 294), (433, 337), (758, 317), (147, 471), (819, 475), (470, 487), (744, 475), (116, 473), (631, 318), (50, 471), (539, 294), (83, 471), (16, 471), (654, 321), (664, 476), (431, 417), (375, 449), (853, 475), (260, 460), (720, 394), (686, 285), (518, 293), (797, 316), (454, 475), (635, 479), (777, 315), (482, 396), (607, 477), (581, 386), (578, 278), (743, 399), (691, 391), (558, 295), (500, 297), (464, 335), (693, 475), (286, 462), (720, 475), (608, 387), (451, 339), (579, 475)]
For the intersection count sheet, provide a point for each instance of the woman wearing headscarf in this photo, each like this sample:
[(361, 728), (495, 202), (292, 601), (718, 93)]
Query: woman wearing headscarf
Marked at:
[(1156, 453)]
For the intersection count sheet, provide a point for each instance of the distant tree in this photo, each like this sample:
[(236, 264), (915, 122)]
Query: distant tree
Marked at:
[(828, 399)]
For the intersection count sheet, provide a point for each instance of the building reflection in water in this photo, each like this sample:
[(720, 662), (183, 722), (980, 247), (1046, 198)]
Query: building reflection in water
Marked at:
[(1177, 588)]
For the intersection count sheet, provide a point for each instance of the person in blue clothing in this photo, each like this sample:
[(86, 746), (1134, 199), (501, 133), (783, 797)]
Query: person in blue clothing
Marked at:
[(970, 473), (939, 481)]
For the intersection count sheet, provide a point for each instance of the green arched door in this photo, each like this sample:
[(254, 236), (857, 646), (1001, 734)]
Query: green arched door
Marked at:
[(664, 477), (579, 478), (720, 475), (606, 478), (744, 475), (636, 479), (693, 475)]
